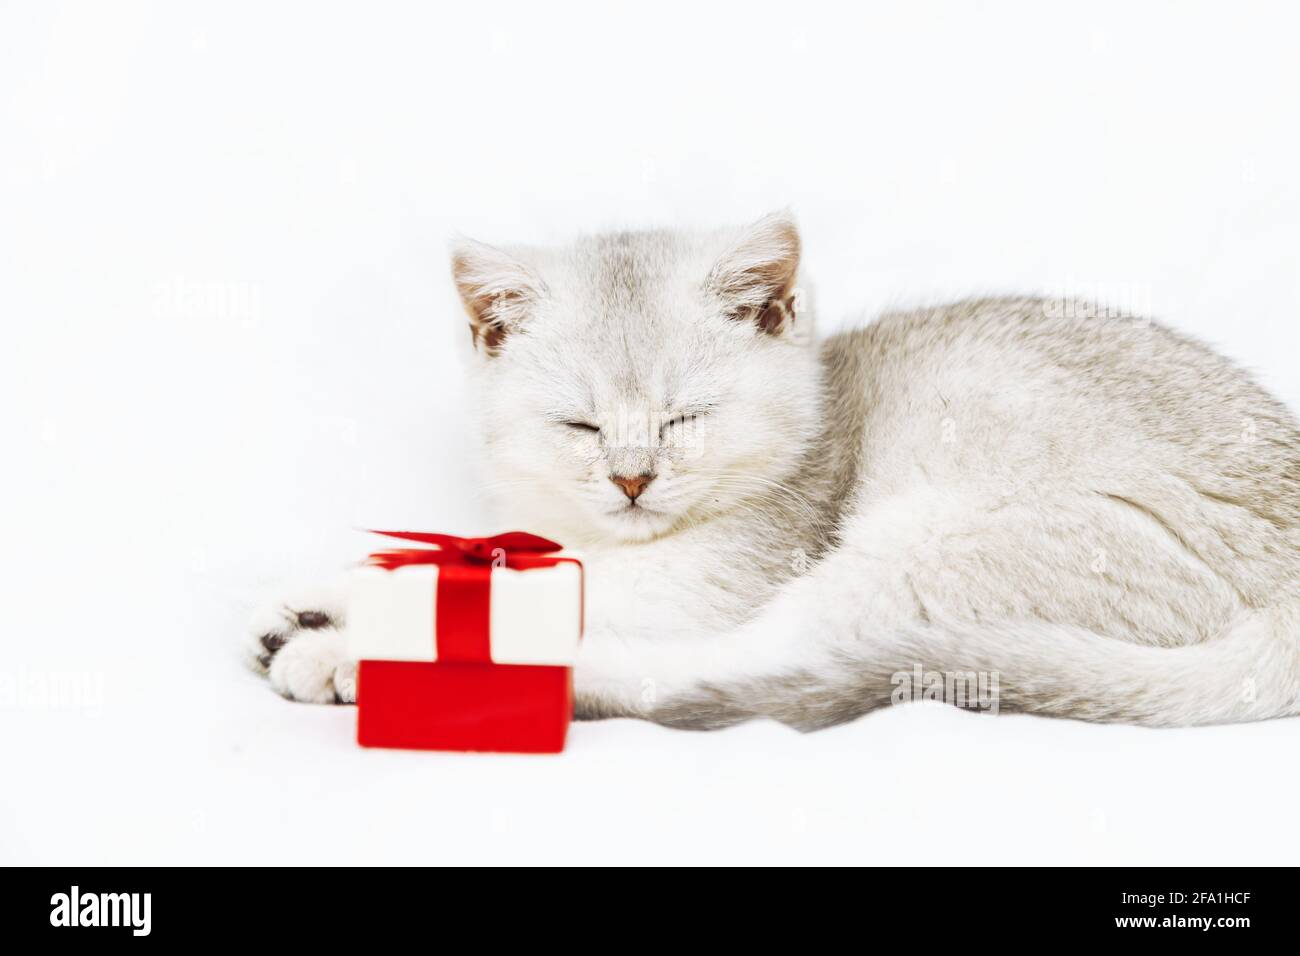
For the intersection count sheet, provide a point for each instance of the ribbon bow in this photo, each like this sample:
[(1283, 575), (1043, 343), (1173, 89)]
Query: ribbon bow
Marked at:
[(513, 549)]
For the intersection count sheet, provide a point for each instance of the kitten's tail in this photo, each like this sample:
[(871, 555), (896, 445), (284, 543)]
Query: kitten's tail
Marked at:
[(1251, 672)]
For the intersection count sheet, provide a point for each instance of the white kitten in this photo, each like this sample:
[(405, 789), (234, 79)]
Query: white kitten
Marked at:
[(1099, 515)]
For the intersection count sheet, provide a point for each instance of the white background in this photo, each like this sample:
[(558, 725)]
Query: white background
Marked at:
[(229, 339)]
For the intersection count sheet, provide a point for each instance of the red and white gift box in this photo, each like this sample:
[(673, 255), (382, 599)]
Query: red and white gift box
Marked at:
[(468, 645)]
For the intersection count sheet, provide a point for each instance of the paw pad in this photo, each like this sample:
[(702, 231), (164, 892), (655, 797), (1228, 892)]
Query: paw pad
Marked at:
[(313, 620)]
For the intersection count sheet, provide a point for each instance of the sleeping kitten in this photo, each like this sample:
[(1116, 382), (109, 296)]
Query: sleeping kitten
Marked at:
[(1100, 514)]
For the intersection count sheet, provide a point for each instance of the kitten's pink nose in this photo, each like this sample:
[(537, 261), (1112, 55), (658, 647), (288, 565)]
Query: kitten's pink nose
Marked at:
[(632, 485)]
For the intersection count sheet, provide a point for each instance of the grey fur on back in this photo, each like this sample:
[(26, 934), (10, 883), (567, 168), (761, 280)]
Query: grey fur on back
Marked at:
[(1076, 418)]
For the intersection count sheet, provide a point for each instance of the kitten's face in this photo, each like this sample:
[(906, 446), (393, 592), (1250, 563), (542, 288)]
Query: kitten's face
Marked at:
[(631, 383)]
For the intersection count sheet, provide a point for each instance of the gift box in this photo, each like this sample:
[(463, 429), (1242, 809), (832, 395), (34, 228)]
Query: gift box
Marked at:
[(466, 645)]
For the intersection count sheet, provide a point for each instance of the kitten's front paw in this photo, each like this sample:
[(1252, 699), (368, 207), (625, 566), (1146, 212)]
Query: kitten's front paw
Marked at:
[(298, 645), (314, 668), (274, 627)]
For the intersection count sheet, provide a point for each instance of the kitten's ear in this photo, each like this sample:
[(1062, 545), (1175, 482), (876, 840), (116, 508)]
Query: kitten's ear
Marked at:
[(755, 279), (497, 290)]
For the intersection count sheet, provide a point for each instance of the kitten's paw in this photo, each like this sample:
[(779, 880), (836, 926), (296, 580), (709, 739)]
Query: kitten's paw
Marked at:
[(298, 644), (314, 668), (278, 623)]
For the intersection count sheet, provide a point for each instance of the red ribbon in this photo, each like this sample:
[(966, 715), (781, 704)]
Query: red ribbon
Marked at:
[(464, 581), (513, 549)]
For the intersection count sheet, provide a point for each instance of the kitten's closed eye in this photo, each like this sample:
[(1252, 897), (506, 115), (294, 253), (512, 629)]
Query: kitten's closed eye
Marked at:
[(583, 426), (687, 419)]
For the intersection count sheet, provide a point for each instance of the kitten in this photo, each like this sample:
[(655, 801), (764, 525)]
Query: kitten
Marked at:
[(1098, 513)]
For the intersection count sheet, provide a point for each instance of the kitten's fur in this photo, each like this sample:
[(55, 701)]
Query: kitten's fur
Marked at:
[(1100, 511)]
